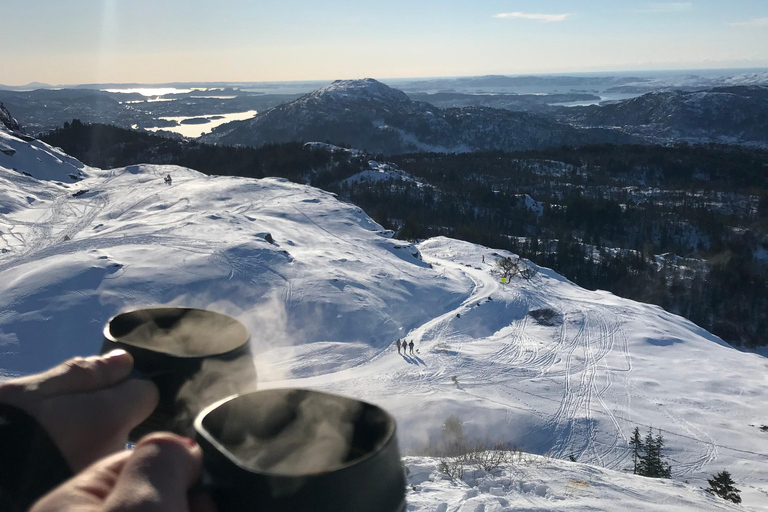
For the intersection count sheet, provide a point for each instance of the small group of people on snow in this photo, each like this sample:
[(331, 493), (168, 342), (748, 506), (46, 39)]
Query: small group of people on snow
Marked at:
[(405, 346)]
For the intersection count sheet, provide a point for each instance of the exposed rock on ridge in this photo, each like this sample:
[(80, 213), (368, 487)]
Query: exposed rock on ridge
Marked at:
[(9, 121)]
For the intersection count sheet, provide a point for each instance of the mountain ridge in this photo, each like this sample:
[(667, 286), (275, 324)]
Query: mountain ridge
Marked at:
[(375, 117), (721, 114)]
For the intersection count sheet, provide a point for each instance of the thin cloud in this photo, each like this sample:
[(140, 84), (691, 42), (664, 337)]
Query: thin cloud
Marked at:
[(546, 18), (666, 7), (757, 22)]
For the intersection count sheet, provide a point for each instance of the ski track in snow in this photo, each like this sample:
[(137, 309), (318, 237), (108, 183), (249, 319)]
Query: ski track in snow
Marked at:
[(589, 360)]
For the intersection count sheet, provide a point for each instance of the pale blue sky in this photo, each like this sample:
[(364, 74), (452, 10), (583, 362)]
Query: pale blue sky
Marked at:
[(87, 41)]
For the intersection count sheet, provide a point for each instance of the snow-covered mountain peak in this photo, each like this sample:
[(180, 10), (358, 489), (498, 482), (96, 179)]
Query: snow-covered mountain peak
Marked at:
[(357, 90), (363, 95)]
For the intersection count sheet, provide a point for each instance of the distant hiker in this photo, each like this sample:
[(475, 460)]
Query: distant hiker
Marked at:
[(483, 258), (398, 346), (410, 345)]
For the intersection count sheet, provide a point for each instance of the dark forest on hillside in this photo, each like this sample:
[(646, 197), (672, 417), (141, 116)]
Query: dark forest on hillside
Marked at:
[(107, 146), (684, 227)]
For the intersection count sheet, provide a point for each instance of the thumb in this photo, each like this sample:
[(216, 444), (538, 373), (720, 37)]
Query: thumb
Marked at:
[(86, 374), (158, 475)]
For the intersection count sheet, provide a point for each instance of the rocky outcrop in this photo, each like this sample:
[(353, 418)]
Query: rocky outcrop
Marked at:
[(9, 121)]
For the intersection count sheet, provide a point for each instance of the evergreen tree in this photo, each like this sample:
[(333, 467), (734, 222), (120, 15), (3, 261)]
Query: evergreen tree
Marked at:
[(637, 448), (411, 230), (661, 468), (453, 436), (651, 463), (722, 485)]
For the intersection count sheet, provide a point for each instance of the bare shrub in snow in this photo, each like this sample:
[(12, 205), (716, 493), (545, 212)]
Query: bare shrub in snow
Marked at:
[(528, 271), (457, 453), (453, 467), (484, 455), (515, 266), (491, 457)]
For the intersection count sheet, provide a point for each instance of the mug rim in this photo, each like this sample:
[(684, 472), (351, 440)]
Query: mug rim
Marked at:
[(108, 336), (209, 438)]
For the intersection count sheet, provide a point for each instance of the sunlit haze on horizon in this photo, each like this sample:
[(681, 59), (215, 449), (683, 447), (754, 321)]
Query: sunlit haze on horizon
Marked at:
[(115, 41)]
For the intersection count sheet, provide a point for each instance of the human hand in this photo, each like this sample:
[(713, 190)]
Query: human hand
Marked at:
[(156, 476), (87, 405)]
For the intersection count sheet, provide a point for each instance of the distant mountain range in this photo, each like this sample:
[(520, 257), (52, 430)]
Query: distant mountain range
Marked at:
[(31, 86), (518, 102), (441, 115), (42, 110), (516, 83), (370, 115), (723, 114), (639, 84)]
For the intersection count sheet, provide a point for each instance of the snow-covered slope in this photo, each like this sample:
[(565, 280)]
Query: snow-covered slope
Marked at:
[(577, 387), (325, 301), (331, 274), (35, 158), (540, 484)]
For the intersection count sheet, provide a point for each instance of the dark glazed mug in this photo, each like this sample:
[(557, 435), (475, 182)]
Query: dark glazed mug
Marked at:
[(196, 357), (301, 451)]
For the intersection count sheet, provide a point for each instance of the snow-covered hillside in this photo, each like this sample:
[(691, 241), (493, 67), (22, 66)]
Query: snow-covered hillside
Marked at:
[(328, 296), (37, 159), (74, 259)]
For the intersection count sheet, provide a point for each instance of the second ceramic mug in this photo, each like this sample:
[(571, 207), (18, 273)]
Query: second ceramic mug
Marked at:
[(300, 450), (194, 356)]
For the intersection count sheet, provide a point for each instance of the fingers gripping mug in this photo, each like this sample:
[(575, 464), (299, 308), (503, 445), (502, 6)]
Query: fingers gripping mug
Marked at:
[(301, 451), (194, 356), (268, 451)]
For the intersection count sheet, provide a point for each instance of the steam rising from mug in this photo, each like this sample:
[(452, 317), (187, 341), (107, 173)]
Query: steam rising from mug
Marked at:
[(288, 432), (300, 450), (181, 332), (273, 450), (195, 357)]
